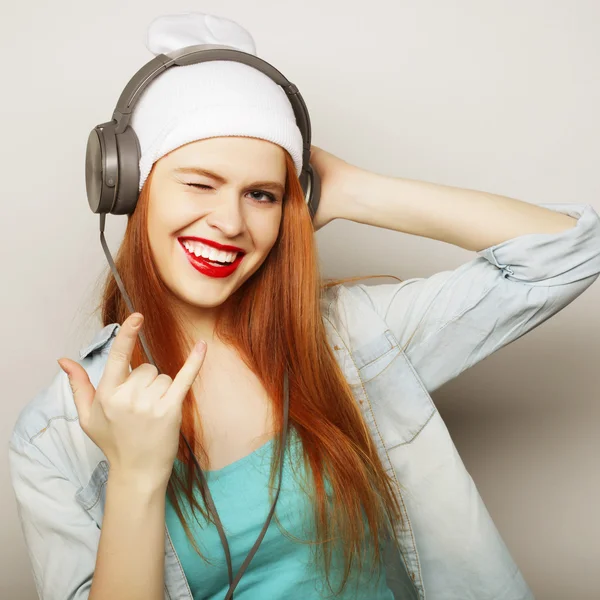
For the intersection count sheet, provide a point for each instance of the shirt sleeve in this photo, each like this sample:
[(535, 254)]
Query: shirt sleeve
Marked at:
[(61, 538), (448, 322)]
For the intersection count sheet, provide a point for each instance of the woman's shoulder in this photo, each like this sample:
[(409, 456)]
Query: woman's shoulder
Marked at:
[(349, 310), (338, 299), (49, 420)]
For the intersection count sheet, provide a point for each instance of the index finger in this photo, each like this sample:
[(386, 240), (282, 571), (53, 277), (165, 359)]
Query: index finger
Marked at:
[(116, 370), (187, 374)]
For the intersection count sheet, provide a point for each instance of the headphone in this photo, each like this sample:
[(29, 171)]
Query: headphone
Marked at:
[(113, 152), (112, 181)]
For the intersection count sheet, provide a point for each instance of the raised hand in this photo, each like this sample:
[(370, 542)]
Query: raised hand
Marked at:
[(134, 418)]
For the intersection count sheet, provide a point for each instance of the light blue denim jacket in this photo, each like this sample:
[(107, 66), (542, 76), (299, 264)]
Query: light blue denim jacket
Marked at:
[(396, 343)]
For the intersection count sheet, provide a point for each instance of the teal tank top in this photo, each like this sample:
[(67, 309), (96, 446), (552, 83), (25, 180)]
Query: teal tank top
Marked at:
[(281, 567)]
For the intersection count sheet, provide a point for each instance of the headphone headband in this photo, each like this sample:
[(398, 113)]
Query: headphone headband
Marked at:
[(112, 155)]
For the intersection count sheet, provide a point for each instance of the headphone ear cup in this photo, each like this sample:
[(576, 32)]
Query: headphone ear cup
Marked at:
[(311, 185), (101, 168), (128, 152)]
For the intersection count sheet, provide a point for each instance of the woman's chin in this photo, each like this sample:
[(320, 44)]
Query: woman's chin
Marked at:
[(207, 298)]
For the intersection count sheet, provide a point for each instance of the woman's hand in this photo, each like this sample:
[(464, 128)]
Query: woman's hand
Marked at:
[(336, 185), (134, 418)]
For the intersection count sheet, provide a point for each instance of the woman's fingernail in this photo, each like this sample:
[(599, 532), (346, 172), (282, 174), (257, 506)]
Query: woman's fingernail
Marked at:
[(136, 321)]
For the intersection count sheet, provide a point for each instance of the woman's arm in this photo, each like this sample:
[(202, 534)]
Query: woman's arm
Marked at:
[(130, 562), (533, 261), (467, 218), (71, 557)]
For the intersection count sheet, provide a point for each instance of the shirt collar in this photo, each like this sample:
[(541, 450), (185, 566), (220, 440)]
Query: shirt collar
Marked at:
[(100, 339)]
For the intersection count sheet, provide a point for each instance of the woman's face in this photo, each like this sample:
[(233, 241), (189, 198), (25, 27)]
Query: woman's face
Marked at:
[(239, 205)]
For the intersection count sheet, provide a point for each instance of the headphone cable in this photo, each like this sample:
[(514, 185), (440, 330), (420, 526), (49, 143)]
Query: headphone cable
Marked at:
[(205, 489)]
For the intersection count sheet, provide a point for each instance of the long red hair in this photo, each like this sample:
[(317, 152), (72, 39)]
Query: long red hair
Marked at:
[(271, 326)]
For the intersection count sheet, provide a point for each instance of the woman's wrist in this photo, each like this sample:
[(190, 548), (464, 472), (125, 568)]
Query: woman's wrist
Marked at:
[(137, 483)]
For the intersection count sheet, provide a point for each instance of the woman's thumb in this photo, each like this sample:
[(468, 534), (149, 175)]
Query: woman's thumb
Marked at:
[(81, 386)]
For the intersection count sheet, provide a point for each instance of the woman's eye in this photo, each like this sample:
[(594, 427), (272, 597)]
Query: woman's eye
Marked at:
[(198, 185), (268, 198)]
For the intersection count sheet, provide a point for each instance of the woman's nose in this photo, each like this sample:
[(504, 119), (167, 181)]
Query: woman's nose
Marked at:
[(227, 213)]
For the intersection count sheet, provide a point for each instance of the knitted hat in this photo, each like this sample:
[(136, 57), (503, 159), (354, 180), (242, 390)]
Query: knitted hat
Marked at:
[(209, 99)]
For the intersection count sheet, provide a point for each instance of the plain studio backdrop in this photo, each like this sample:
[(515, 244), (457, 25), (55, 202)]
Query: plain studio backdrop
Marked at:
[(496, 96)]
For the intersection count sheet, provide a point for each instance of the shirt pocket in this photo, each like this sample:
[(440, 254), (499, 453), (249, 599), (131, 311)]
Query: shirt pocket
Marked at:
[(400, 404), (92, 496)]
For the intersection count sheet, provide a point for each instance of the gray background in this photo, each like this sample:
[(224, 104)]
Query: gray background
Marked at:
[(495, 96)]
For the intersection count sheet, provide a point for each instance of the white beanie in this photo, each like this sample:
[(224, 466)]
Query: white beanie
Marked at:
[(209, 99)]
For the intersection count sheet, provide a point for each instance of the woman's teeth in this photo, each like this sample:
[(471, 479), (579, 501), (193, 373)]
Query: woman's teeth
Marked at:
[(209, 253)]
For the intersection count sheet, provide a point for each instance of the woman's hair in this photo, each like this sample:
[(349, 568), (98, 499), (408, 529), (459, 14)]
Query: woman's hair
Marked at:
[(273, 321)]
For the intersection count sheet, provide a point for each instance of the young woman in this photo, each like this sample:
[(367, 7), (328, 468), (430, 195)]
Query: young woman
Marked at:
[(375, 502)]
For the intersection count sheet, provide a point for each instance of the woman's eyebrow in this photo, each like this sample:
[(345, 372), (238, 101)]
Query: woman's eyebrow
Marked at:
[(275, 185)]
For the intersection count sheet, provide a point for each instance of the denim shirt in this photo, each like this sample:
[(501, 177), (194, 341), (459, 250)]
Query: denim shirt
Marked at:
[(395, 343)]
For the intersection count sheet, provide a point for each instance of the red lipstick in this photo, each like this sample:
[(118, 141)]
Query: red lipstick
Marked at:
[(216, 245), (202, 265)]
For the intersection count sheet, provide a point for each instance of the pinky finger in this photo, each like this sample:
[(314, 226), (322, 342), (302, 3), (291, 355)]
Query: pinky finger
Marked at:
[(188, 373)]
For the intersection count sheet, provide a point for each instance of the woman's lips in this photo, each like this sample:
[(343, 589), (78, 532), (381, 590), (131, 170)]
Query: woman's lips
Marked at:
[(202, 265)]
